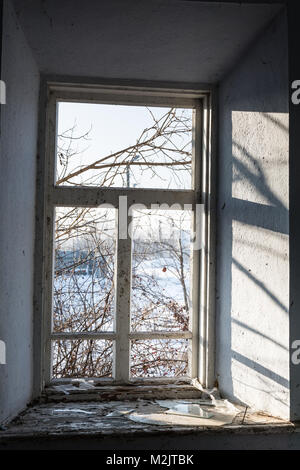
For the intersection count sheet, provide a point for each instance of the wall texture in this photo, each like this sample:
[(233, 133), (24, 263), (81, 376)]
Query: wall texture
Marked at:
[(252, 214), (163, 40), (253, 274), (294, 161), (17, 205)]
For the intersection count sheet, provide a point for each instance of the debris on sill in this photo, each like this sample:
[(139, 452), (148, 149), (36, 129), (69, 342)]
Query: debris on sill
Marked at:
[(193, 409), (156, 405), (171, 403), (83, 390), (85, 385), (63, 388), (118, 413), (72, 410), (203, 412), (75, 385), (107, 418), (166, 419)]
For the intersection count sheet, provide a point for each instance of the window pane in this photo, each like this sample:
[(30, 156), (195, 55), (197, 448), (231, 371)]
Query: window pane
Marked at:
[(124, 146), (84, 269), (82, 358), (161, 270), (159, 358)]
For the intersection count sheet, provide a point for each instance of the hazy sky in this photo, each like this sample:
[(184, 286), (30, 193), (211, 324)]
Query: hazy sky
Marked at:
[(112, 128)]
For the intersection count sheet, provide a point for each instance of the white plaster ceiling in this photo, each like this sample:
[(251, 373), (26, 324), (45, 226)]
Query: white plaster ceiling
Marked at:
[(164, 40)]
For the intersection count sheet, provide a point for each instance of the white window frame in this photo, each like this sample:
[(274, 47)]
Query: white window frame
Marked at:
[(201, 331)]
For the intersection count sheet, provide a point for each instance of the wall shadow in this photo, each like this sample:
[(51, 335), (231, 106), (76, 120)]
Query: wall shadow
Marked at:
[(257, 85), (272, 216)]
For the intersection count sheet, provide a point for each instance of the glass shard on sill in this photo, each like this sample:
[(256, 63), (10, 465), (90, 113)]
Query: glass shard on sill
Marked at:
[(172, 403), (190, 409), (164, 419), (118, 413), (187, 413)]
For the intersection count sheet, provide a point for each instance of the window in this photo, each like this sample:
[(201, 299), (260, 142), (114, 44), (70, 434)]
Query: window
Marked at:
[(125, 221)]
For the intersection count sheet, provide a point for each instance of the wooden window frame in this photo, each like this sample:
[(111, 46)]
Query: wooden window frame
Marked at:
[(201, 331)]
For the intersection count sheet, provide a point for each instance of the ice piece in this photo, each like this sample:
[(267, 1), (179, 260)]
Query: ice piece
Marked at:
[(86, 385), (165, 419), (72, 410), (63, 388), (118, 413), (191, 409), (201, 402), (224, 406), (172, 403)]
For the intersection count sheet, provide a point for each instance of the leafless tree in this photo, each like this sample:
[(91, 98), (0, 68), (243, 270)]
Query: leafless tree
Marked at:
[(85, 244)]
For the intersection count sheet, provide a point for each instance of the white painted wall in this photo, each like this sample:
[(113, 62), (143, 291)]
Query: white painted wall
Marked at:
[(252, 284), (162, 40), (17, 206), (253, 266)]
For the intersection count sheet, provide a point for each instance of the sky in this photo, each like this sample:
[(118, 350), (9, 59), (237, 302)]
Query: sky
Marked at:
[(111, 128)]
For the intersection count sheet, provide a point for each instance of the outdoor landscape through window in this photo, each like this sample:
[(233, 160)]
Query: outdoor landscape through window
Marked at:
[(111, 146)]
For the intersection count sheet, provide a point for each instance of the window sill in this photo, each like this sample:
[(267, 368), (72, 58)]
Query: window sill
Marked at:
[(76, 390), (46, 424)]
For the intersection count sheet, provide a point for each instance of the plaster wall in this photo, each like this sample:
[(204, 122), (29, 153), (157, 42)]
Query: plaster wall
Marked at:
[(252, 277), (253, 230), (159, 40), (17, 206)]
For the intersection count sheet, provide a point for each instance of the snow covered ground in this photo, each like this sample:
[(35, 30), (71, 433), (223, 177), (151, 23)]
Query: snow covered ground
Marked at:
[(85, 302)]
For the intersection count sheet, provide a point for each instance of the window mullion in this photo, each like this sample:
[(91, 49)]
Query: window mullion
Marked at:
[(122, 308), (161, 335), (195, 262), (93, 197), (47, 293)]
